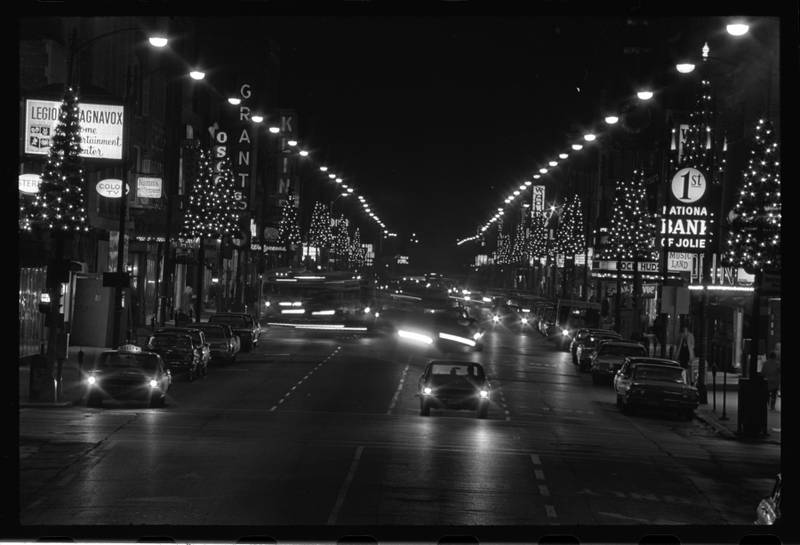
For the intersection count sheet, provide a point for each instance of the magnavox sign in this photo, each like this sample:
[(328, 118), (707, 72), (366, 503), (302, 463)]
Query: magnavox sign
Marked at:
[(100, 128)]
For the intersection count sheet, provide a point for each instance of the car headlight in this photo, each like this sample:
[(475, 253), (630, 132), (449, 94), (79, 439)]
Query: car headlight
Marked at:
[(377, 314), (91, 380), (426, 390), (266, 303), (484, 394), (153, 383), (495, 318), (565, 332), (524, 320), (476, 336), (367, 310)]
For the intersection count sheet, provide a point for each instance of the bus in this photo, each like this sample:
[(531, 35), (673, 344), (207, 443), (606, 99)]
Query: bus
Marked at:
[(339, 300)]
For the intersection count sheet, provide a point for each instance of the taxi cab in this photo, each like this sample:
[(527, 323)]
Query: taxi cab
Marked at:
[(130, 372)]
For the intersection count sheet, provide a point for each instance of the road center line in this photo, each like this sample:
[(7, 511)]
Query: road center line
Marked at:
[(551, 511), (345, 486), (399, 389), (536, 460), (539, 474), (543, 490)]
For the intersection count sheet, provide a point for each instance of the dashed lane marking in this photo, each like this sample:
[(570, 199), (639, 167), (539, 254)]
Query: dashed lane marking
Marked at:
[(551, 511), (539, 474), (399, 389), (299, 382), (543, 490)]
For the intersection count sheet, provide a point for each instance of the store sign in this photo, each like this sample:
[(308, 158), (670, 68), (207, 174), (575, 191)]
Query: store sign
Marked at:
[(627, 266), (101, 128), (688, 185), (677, 261), (29, 183), (148, 188), (538, 198), (111, 188), (684, 223), (402, 260)]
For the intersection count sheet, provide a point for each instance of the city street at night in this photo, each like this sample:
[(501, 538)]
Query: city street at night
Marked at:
[(291, 278), (315, 431)]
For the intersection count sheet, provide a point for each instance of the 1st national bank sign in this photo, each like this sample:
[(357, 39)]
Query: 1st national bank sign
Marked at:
[(101, 128), (684, 222)]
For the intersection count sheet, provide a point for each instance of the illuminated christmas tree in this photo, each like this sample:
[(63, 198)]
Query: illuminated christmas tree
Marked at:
[(520, 243), (341, 241), (754, 239), (632, 229), (319, 234), (570, 238), (289, 228), (356, 251), (60, 204), (211, 208), (538, 242)]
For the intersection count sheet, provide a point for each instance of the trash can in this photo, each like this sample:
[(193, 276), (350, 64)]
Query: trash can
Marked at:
[(42, 384), (752, 413)]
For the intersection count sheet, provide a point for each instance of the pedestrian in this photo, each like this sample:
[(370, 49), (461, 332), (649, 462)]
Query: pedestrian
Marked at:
[(771, 371), (686, 348)]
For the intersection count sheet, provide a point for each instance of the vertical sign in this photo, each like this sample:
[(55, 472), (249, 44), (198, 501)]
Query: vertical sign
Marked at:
[(242, 153), (287, 181), (538, 198), (683, 130)]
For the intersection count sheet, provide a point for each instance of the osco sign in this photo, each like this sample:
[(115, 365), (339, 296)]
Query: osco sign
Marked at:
[(111, 188)]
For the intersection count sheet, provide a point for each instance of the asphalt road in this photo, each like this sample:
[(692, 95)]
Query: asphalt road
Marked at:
[(325, 430)]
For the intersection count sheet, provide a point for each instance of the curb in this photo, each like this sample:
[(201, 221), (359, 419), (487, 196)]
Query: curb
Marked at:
[(719, 428), (728, 434), (45, 404)]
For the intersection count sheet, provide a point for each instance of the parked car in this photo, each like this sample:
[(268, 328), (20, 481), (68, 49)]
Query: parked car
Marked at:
[(178, 352), (129, 372), (224, 343), (459, 385), (609, 357), (580, 337), (656, 385), (242, 324), (587, 348), (198, 339)]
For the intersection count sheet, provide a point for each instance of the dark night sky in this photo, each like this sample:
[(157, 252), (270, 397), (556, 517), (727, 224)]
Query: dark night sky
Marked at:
[(434, 119)]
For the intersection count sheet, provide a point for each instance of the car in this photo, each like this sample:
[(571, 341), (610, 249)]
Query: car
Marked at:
[(128, 372), (242, 324), (178, 352), (454, 326), (656, 385), (585, 350), (580, 336), (223, 342), (198, 339), (461, 385), (610, 356)]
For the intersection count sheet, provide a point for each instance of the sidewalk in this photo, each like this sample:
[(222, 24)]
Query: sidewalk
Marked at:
[(72, 387), (728, 428)]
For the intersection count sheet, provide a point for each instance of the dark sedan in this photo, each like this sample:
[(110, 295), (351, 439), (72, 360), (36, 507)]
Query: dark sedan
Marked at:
[(609, 358), (655, 385), (587, 348), (178, 352), (128, 373), (242, 324), (224, 343), (454, 385)]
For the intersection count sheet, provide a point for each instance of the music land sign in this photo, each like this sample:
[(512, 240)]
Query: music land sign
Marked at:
[(100, 128)]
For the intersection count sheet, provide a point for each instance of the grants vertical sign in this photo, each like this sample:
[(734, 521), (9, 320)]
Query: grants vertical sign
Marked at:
[(242, 155), (685, 220)]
